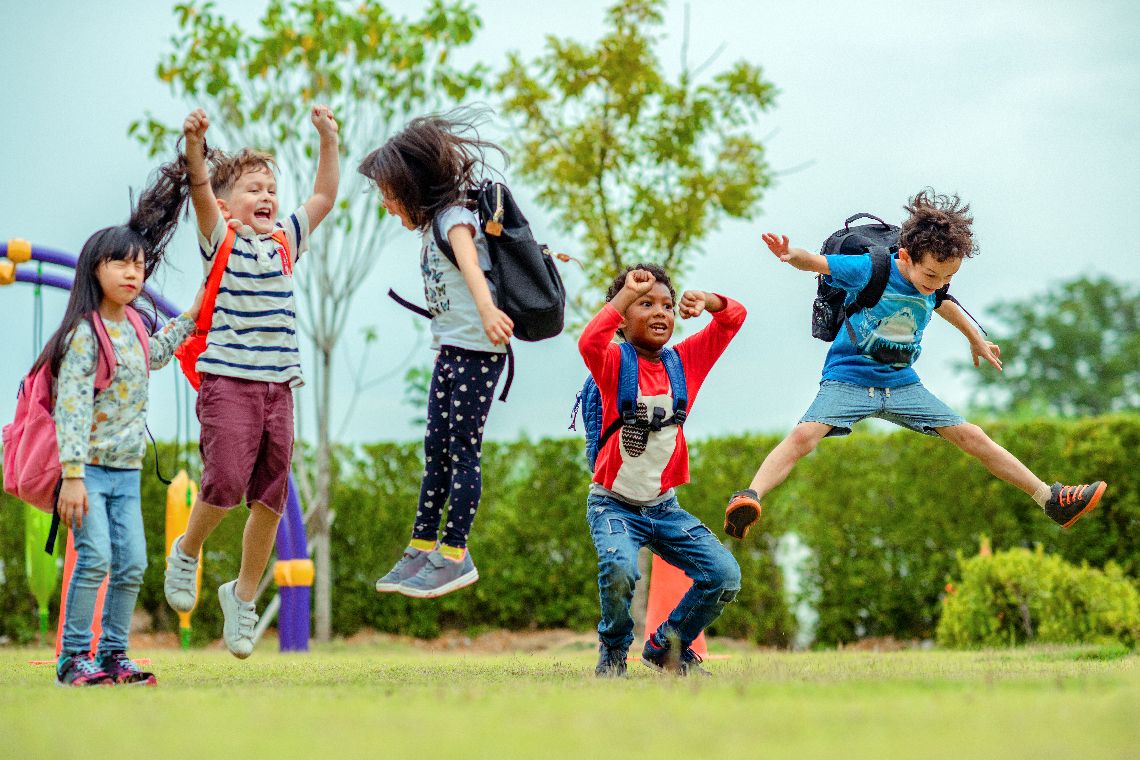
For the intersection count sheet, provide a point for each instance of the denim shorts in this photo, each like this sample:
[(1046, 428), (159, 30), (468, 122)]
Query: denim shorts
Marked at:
[(841, 405)]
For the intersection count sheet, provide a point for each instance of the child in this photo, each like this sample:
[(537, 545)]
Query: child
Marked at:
[(423, 174), (101, 435), (875, 378), (632, 502), (251, 363)]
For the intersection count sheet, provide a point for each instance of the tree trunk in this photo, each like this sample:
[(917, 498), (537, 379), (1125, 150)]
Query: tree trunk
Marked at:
[(321, 522)]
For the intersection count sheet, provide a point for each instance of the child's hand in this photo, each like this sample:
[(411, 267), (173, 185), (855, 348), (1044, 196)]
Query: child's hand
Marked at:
[(72, 502), (323, 120), (984, 349), (497, 325), (195, 126), (778, 244), (639, 282), (693, 303)]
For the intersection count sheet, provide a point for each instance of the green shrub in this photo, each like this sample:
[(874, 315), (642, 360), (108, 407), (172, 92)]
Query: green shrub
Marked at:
[(1021, 596)]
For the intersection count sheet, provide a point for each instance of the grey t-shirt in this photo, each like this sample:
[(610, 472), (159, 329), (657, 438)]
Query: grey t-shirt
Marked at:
[(455, 318)]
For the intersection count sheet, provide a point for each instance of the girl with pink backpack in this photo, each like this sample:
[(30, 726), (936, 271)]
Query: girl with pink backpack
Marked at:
[(92, 379)]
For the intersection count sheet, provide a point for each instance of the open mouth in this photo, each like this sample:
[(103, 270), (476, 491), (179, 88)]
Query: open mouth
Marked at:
[(263, 214), (659, 328)]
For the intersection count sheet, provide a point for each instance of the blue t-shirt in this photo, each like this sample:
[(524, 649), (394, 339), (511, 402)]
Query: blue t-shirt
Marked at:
[(888, 334)]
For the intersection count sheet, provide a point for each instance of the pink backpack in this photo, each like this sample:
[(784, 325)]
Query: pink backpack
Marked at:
[(32, 471)]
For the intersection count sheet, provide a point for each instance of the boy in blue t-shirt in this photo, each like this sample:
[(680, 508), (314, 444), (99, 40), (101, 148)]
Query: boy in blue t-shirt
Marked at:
[(872, 376)]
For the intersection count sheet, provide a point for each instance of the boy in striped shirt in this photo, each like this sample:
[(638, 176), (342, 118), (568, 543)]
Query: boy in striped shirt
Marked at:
[(251, 363)]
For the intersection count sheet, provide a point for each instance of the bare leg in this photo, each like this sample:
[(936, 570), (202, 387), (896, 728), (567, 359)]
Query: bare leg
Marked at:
[(256, 546), (974, 441), (203, 519), (780, 460)]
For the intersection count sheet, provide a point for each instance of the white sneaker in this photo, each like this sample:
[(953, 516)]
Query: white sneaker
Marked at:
[(181, 583), (239, 620)]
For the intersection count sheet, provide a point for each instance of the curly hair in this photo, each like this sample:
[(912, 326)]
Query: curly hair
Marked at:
[(939, 226), (431, 163)]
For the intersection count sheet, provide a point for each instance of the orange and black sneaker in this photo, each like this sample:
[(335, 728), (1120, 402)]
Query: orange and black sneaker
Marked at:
[(1067, 504), (742, 513)]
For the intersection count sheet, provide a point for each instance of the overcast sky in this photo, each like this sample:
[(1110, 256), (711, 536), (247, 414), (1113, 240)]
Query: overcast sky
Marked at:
[(1029, 110)]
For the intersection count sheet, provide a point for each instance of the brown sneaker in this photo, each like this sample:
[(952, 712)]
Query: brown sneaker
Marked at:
[(1067, 504), (742, 513)]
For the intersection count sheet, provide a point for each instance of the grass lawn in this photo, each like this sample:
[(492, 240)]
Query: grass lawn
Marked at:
[(396, 701)]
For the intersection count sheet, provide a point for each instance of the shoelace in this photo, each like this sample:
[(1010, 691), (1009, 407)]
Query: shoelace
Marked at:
[(613, 657), (85, 665), (1070, 494), (122, 662)]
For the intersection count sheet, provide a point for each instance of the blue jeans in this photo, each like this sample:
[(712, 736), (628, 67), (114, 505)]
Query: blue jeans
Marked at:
[(619, 530), (111, 540)]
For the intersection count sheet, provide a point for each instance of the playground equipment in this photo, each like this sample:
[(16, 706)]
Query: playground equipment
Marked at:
[(180, 495), (293, 571), (38, 564)]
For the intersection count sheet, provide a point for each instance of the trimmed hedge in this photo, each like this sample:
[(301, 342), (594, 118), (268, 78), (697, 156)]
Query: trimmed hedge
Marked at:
[(1020, 596), (884, 515)]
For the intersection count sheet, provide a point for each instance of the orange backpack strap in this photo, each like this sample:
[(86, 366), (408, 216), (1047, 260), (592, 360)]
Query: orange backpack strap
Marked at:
[(214, 281), (286, 257)]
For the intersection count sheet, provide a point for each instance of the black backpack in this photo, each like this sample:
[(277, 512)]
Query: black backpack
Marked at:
[(881, 241), (524, 281)]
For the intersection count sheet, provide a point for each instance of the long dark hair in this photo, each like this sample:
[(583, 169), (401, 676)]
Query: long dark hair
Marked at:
[(146, 234), (431, 163)]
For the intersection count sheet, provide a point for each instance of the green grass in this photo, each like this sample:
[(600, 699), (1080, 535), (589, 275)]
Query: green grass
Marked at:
[(396, 701)]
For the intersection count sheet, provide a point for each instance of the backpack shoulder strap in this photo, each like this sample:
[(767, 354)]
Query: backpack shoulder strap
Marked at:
[(627, 394), (286, 260), (872, 291), (676, 371), (943, 294), (140, 330), (214, 281), (441, 241), (105, 362)]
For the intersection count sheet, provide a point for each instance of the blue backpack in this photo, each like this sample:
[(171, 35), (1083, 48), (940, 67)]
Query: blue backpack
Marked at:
[(629, 415)]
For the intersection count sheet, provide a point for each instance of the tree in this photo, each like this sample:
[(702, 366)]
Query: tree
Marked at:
[(634, 165), (374, 70), (1072, 351)]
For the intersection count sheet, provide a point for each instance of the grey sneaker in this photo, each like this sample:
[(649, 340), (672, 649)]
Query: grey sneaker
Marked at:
[(181, 583), (439, 576), (239, 619), (403, 570)]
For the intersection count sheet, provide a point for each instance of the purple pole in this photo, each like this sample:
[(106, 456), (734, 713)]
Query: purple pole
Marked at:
[(296, 601)]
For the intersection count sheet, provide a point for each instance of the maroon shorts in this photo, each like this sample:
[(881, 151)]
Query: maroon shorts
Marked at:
[(246, 441)]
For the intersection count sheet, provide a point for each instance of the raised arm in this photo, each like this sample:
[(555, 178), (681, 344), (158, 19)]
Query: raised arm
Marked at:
[(797, 257), (201, 193), (979, 346), (321, 202)]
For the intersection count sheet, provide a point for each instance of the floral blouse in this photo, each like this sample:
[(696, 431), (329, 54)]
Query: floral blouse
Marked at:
[(108, 428)]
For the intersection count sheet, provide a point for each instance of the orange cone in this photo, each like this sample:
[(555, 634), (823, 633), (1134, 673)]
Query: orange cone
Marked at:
[(97, 618), (667, 585)]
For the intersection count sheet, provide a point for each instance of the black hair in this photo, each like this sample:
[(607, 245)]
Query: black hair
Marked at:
[(431, 163), (146, 234)]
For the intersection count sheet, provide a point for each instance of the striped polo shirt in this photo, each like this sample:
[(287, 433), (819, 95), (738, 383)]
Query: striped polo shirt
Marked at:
[(253, 335)]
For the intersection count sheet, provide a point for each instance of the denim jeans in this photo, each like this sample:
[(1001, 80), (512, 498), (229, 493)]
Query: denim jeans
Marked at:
[(111, 540), (619, 530), (912, 406)]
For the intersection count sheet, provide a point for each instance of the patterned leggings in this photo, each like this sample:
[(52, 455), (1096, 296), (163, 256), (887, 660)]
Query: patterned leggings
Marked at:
[(462, 389)]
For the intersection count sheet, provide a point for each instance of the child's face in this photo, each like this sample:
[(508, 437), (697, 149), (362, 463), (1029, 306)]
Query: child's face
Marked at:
[(396, 209), (648, 322), (121, 280), (927, 275), (253, 201)]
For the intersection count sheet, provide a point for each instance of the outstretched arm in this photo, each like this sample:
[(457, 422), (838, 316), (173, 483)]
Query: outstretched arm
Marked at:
[(797, 257), (321, 202), (979, 346), (201, 193)]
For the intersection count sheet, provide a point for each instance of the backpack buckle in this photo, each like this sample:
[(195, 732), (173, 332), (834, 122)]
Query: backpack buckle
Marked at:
[(629, 417), (679, 416), (658, 420)]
